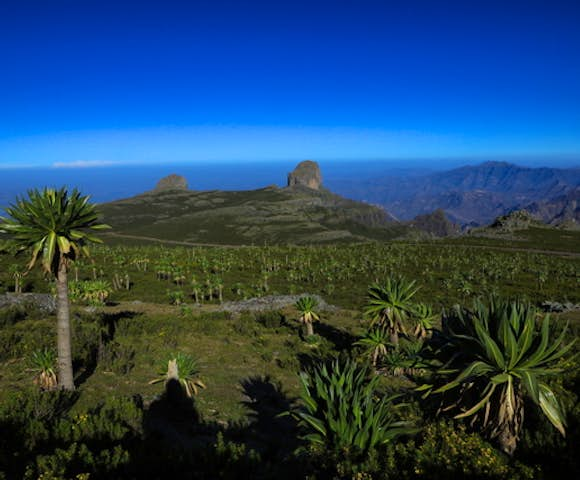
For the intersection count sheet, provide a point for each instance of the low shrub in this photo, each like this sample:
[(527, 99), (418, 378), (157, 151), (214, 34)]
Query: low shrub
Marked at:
[(272, 319), (447, 451)]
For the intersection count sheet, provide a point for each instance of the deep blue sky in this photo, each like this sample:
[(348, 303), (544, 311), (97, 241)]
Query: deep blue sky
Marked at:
[(91, 82)]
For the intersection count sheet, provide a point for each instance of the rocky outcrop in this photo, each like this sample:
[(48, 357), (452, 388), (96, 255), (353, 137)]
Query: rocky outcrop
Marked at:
[(172, 182), (516, 220), (306, 174)]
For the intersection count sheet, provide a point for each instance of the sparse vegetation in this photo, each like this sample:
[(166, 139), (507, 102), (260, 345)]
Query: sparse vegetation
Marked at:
[(150, 301)]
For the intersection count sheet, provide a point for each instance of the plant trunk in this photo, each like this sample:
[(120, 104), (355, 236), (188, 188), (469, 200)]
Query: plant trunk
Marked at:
[(509, 429), (63, 330), (394, 338), (309, 329)]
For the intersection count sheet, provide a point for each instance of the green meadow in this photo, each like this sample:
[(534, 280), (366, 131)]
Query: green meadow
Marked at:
[(136, 305)]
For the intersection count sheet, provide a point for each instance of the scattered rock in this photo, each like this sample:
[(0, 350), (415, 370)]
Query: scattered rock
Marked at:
[(558, 307), (43, 301), (271, 302), (306, 174), (172, 182)]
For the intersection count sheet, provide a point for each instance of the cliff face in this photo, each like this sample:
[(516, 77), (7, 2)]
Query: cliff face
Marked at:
[(306, 174)]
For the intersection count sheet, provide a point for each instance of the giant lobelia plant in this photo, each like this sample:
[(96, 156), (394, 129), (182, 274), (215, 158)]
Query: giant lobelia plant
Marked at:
[(489, 358), (55, 228)]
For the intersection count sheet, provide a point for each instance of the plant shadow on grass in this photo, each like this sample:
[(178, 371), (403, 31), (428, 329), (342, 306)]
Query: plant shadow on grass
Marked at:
[(269, 430), (107, 327), (341, 339), (178, 442), (172, 417), (109, 322)]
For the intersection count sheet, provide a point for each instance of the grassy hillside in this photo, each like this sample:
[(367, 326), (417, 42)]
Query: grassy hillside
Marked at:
[(266, 216)]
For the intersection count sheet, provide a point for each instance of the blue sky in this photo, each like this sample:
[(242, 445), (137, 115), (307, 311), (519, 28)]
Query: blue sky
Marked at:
[(103, 82)]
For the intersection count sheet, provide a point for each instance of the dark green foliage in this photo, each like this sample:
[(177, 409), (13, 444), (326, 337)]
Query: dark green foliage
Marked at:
[(271, 319), (342, 412), (12, 314), (118, 357), (445, 451), (491, 356), (25, 337)]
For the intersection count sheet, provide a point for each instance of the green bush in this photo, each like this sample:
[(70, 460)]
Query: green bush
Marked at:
[(245, 325), (118, 357), (272, 319), (41, 438), (12, 314), (447, 451), (342, 412), (22, 338)]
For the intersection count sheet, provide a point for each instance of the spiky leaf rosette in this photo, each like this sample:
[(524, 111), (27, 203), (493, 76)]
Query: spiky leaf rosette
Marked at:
[(183, 368), (342, 412), (492, 355), (52, 224), (391, 302), (307, 306)]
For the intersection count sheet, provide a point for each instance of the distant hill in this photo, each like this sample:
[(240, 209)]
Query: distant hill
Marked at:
[(436, 224), (474, 194), (295, 214)]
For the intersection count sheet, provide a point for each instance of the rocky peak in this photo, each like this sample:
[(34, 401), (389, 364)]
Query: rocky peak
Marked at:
[(515, 220), (172, 182), (306, 174)]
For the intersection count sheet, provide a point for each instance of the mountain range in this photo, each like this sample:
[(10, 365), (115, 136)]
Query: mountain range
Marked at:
[(474, 194), (306, 212)]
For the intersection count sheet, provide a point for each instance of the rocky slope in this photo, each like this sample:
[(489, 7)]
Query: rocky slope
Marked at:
[(561, 210), (436, 224)]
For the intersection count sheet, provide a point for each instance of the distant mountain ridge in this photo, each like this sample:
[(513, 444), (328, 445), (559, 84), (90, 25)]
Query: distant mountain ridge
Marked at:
[(474, 194)]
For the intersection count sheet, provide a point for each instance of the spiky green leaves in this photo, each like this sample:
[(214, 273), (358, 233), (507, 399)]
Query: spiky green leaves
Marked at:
[(375, 342), (391, 302), (495, 353), (307, 308), (52, 225), (341, 409), (183, 368)]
